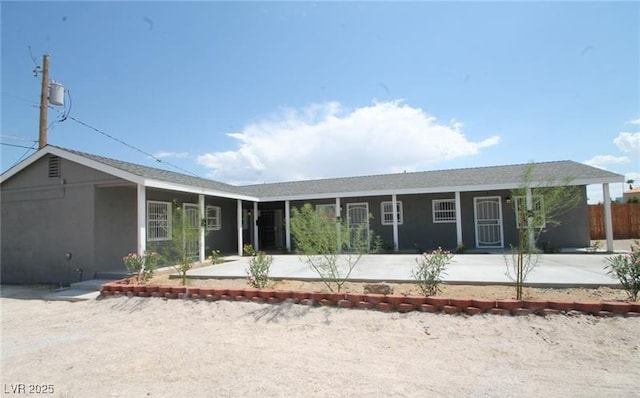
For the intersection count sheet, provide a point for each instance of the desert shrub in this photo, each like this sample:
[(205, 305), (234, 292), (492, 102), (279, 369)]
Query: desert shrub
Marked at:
[(143, 266), (626, 267), (430, 269), (216, 257), (248, 250), (258, 271)]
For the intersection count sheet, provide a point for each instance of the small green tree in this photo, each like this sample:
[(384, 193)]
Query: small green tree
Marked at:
[(329, 245), (182, 250), (538, 204)]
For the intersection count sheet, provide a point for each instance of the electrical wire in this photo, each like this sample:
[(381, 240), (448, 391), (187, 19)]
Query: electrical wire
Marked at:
[(31, 148), (16, 145), (118, 140)]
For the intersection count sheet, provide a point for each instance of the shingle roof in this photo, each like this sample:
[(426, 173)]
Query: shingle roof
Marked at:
[(429, 181), (159, 174), (468, 179)]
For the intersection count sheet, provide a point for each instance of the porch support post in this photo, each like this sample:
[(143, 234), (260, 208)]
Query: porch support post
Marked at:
[(338, 225), (287, 224), (256, 237), (530, 226), (394, 206), (458, 219), (608, 223), (201, 254), (141, 219), (239, 222)]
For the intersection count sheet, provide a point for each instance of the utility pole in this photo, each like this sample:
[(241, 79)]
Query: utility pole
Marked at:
[(44, 102)]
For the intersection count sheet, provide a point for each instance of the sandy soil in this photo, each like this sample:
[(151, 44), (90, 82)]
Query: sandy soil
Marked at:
[(473, 291), (154, 347)]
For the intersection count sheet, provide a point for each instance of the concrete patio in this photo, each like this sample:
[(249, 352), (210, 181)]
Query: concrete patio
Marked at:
[(553, 270)]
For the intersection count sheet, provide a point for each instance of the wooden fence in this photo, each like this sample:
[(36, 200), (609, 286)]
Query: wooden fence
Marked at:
[(625, 218)]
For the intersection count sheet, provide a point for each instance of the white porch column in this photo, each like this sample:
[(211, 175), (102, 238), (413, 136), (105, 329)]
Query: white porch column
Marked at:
[(530, 226), (287, 224), (394, 206), (338, 224), (608, 223), (256, 244), (141, 219), (201, 217), (458, 219), (239, 222)]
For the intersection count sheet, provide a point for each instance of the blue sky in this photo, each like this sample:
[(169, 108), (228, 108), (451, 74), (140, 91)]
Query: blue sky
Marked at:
[(266, 91)]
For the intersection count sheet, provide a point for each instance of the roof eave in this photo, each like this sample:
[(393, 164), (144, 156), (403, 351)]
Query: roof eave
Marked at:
[(431, 190)]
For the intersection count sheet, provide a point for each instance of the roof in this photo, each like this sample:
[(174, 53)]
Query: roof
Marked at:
[(468, 179)]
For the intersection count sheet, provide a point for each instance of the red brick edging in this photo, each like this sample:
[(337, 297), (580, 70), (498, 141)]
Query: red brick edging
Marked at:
[(380, 302)]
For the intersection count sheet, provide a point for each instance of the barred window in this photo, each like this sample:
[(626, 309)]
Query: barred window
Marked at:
[(386, 212), (158, 220), (444, 210), (537, 207), (214, 218), (328, 210)]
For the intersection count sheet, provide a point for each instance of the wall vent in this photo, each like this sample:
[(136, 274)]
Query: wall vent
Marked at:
[(54, 167)]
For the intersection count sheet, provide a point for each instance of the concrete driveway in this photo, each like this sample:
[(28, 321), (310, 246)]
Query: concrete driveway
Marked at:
[(552, 270)]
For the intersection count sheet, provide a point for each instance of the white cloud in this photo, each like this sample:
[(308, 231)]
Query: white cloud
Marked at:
[(603, 160), (628, 142), (635, 121), (324, 140), (177, 155)]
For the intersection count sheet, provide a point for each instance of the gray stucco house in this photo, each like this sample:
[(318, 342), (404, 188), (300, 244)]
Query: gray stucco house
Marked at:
[(61, 201)]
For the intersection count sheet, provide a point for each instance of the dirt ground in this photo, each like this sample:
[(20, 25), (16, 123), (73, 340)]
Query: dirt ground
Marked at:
[(134, 347), (472, 291)]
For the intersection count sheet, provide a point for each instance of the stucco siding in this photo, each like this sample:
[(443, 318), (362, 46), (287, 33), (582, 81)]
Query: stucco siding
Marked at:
[(226, 238), (115, 227), (37, 232)]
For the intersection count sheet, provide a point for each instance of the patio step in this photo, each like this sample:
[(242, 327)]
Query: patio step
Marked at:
[(85, 290)]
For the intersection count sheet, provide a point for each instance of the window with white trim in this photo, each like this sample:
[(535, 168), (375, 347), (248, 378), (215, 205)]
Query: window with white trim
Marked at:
[(386, 212), (158, 220), (444, 210), (328, 210), (520, 202), (214, 218)]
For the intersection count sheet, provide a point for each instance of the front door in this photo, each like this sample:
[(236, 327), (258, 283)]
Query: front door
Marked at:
[(358, 219), (267, 229), (488, 217), (191, 227)]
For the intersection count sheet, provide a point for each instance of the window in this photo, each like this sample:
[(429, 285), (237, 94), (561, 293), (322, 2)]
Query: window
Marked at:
[(538, 210), (158, 220), (54, 167), (214, 219), (386, 212), (328, 210), (444, 210)]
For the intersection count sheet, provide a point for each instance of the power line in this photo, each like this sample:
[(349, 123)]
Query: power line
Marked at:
[(16, 145), (31, 148), (118, 140)]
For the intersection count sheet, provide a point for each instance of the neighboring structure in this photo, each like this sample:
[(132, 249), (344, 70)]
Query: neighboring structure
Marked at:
[(631, 193), (61, 201)]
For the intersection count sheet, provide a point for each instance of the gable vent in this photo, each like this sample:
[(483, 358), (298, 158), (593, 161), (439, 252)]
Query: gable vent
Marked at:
[(54, 167)]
